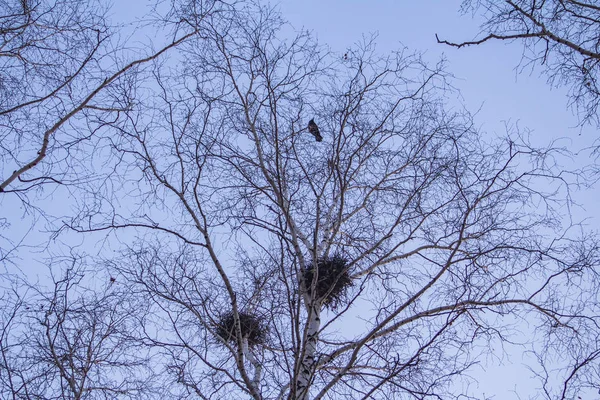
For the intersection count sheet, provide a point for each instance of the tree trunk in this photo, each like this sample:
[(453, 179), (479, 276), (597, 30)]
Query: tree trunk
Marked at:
[(307, 366)]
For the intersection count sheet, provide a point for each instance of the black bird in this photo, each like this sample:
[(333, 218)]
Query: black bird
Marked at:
[(314, 130)]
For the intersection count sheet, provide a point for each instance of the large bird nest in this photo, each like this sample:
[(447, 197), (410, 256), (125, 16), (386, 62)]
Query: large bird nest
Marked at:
[(333, 280), (253, 328)]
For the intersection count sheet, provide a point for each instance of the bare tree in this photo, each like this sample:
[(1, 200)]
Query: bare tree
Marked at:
[(65, 72), (70, 341), (376, 263), (251, 261), (559, 35)]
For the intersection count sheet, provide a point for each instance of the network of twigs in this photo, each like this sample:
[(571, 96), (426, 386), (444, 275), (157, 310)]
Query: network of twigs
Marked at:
[(332, 282), (252, 326)]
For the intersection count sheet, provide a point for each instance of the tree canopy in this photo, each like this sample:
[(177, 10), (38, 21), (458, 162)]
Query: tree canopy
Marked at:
[(561, 36), (203, 245)]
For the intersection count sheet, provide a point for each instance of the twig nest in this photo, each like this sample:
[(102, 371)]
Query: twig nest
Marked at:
[(333, 280), (253, 328)]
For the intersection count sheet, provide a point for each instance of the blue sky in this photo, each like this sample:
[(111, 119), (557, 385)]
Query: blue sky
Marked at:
[(485, 74), (487, 80)]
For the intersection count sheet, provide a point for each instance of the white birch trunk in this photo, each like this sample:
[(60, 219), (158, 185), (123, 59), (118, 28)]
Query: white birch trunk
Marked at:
[(255, 363), (308, 363)]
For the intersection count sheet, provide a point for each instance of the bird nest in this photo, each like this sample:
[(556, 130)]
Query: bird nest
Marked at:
[(333, 280), (252, 326)]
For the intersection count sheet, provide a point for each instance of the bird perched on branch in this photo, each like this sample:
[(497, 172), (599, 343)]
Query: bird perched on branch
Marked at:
[(314, 130)]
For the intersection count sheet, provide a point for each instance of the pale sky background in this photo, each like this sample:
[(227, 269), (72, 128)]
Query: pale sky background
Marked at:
[(485, 74), (486, 77), (488, 82)]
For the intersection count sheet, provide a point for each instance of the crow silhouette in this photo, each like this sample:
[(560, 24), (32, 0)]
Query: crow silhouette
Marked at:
[(314, 130)]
